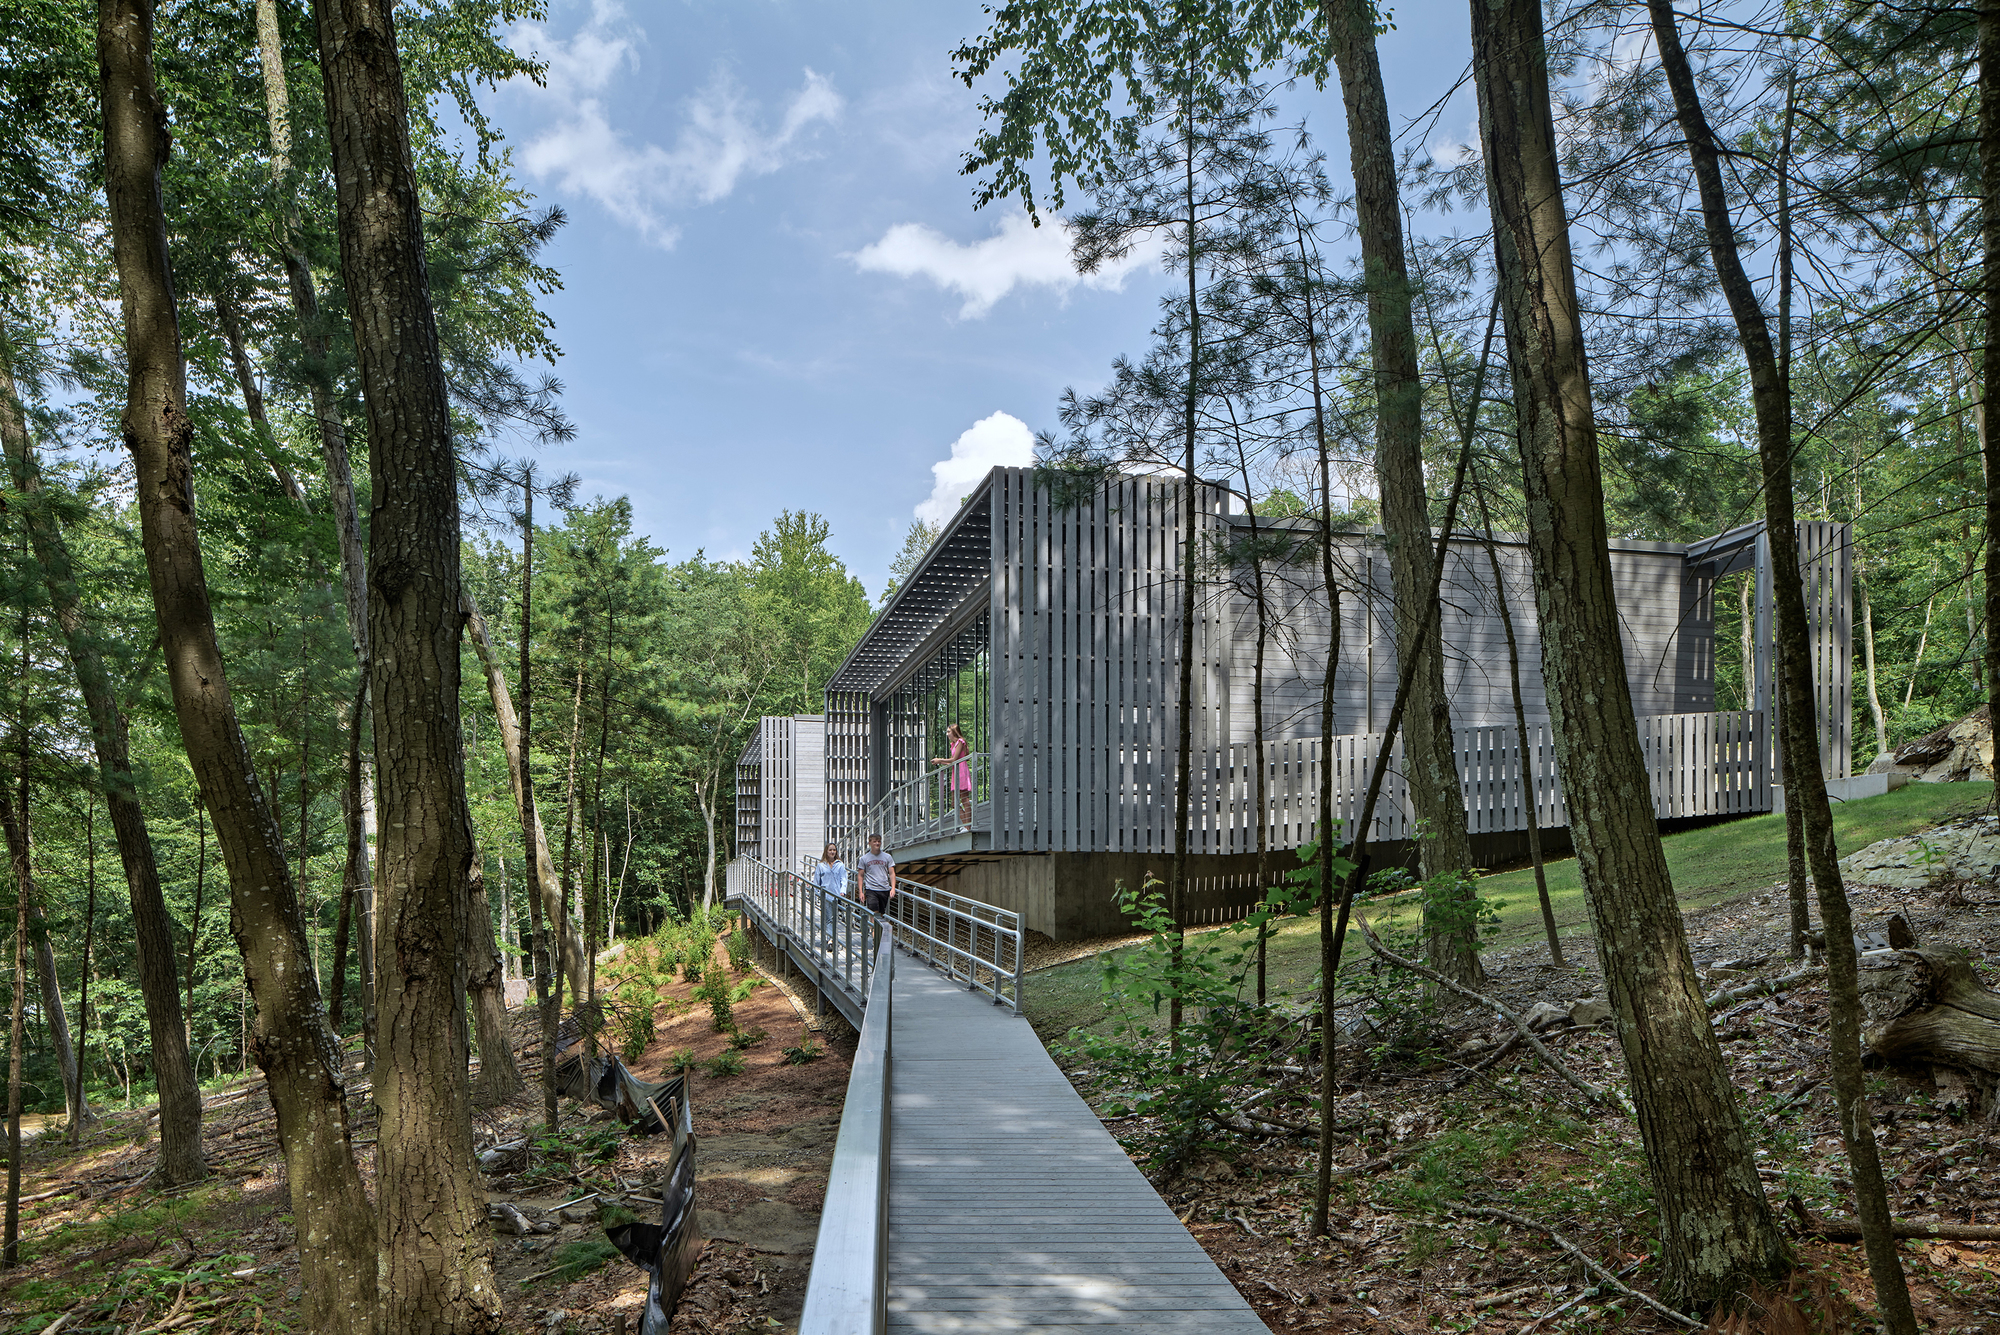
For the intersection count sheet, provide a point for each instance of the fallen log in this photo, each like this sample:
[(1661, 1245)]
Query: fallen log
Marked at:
[(1933, 1009), (1591, 1093), (1761, 987), (1848, 1230)]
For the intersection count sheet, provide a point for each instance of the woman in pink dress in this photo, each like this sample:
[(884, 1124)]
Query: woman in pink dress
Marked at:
[(961, 772)]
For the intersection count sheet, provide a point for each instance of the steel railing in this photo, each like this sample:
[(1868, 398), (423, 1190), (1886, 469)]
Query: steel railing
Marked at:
[(971, 941), (936, 805), (835, 936), (847, 1291), (853, 953)]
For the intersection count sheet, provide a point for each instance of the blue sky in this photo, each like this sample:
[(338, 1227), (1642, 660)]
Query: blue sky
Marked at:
[(776, 291)]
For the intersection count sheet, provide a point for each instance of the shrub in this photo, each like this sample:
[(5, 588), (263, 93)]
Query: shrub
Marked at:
[(635, 1030), (574, 1260), (811, 1050), (727, 1063), (740, 1039), (738, 945), (715, 991), (1180, 1093), (680, 1061)]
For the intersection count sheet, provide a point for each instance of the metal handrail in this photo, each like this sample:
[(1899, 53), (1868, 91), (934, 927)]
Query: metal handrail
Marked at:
[(847, 1290), (967, 939), (839, 934), (933, 805)]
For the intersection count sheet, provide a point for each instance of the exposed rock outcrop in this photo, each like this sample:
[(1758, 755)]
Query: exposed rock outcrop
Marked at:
[(1951, 754), (1963, 850)]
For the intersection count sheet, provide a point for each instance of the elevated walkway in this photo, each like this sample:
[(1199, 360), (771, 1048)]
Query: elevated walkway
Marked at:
[(972, 1191), (1011, 1208)]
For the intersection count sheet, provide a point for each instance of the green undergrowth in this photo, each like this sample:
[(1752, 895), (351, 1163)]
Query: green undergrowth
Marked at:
[(134, 1260), (1710, 866), (574, 1260), (1719, 862)]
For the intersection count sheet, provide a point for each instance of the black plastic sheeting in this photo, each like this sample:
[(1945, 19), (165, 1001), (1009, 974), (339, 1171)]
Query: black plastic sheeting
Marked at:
[(608, 1083), (667, 1250)]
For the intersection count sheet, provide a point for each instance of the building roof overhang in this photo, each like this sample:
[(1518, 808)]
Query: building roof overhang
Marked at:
[(957, 564)]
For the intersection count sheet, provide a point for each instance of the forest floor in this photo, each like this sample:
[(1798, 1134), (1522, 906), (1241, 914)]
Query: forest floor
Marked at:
[(108, 1253), (1425, 1140)]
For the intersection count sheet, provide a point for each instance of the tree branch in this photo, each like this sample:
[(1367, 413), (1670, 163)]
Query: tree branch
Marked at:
[(1549, 1059)]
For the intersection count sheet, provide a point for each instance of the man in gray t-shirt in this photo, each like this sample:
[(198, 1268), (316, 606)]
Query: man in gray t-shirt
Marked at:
[(878, 876)]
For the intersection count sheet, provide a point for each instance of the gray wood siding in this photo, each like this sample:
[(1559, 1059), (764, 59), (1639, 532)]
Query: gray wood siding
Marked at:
[(1667, 621), (1085, 607), (847, 758)]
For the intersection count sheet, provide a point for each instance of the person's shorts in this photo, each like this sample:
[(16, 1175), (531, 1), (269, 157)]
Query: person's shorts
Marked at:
[(876, 900)]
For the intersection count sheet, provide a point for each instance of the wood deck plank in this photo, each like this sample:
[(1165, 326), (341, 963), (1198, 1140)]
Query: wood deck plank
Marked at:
[(1011, 1208)]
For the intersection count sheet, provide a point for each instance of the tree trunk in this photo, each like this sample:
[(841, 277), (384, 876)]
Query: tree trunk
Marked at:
[(705, 798), (548, 992), (572, 896), (509, 962), (1258, 799), (17, 1038), (355, 875), (1716, 1231), (180, 1093), (1868, 663), (364, 895), (1431, 762), (194, 920), (546, 885), (358, 807), (1745, 624), (1190, 538), (435, 1251), (89, 933), (1934, 1009), (1324, 833), (1989, 233), (293, 1046), (230, 321), (312, 334), (15, 822), (1770, 393), (499, 1075), (1521, 739), (594, 927), (1798, 882)]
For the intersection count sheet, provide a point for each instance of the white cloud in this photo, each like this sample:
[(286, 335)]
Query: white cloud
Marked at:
[(723, 140), (1001, 440), (1019, 254)]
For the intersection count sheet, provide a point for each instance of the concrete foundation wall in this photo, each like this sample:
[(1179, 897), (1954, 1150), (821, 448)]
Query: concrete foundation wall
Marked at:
[(1072, 896)]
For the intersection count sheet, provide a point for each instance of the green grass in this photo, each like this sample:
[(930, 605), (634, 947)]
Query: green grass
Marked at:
[(1708, 866), (1723, 861)]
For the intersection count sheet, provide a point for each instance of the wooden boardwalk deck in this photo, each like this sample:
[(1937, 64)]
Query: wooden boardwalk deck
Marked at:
[(1011, 1208)]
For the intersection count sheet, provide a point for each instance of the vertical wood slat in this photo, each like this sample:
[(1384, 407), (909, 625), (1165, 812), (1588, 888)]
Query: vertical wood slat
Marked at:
[(1090, 598)]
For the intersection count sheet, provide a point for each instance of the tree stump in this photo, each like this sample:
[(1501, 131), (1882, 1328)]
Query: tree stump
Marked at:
[(1931, 1009)]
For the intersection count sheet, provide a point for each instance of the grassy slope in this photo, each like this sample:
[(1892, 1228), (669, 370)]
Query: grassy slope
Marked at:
[(1708, 865)]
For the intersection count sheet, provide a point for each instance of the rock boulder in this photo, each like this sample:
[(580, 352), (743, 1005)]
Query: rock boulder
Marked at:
[(1951, 754)]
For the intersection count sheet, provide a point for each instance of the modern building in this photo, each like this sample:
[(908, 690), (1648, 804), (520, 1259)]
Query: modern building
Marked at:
[(1046, 622), (781, 791)]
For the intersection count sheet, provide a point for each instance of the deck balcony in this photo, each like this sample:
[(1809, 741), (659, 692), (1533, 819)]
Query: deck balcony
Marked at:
[(949, 810)]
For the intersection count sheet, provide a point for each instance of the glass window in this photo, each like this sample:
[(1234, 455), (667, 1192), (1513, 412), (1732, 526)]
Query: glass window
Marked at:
[(951, 687)]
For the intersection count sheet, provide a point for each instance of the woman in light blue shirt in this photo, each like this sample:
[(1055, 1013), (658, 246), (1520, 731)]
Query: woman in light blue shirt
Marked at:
[(830, 875)]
